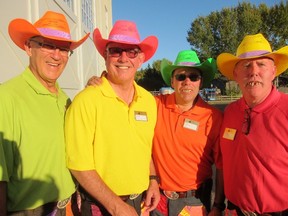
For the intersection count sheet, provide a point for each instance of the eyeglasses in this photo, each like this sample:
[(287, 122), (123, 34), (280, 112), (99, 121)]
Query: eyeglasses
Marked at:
[(50, 48), (247, 121), (192, 77), (117, 52)]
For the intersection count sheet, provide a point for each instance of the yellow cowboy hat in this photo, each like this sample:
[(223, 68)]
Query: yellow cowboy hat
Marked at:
[(252, 46)]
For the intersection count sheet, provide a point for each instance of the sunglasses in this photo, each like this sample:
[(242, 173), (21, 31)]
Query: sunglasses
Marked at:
[(117, 52), (50, 48), (247, 121), (192, 77)]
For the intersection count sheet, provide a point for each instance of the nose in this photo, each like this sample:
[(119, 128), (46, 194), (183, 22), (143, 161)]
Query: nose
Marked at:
[(123, 56), (254, 69), (56, 53)]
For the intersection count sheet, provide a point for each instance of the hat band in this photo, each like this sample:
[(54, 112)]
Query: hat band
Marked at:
[(187, 63), (253, 54), (54, 33), (125, 38)]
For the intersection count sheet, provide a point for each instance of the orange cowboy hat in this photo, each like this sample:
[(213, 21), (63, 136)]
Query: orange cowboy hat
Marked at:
[(51, 25), (125, 32), (253, 46)]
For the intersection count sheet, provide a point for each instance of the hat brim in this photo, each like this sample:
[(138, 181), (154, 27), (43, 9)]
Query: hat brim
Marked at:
[(21, 30), (208, 69), (148, 46), (226, 62)]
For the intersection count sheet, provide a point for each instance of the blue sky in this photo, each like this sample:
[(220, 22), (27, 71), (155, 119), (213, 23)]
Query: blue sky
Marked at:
[(170, 20)]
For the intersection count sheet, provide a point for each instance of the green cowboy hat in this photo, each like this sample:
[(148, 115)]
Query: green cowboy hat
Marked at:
[(189, 59)]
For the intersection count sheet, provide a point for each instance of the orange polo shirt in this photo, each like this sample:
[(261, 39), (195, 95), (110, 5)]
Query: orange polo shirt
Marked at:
[(186, 144)]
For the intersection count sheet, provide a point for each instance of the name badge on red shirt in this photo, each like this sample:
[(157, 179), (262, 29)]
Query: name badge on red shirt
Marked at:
[(229, 133), (190, 124)]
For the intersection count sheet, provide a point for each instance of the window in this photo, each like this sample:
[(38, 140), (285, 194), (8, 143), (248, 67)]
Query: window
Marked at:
[(70, 4), (87, 14)]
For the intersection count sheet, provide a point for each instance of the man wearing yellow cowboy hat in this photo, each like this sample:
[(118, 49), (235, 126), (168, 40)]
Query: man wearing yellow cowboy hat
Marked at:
[(186, 139), (254, 134), (33, 173), (109, 130)]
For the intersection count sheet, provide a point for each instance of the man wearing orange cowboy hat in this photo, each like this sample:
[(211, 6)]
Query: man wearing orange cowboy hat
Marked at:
[(109, 130), (254, 133), (34, 179), (185, 143)]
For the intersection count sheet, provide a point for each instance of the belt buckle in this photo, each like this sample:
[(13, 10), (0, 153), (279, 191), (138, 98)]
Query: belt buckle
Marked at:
[(247, 213), (61, 204), (133, 196), (172, 195)]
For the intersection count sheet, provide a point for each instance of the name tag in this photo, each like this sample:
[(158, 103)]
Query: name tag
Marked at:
[(140, 116), (190, 124), (229, 133)]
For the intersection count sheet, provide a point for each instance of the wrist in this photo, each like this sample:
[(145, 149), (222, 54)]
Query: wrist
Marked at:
[(154, 177), (219, 206)]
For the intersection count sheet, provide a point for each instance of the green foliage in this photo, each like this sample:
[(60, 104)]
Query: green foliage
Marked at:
[(222, 31), (151, 78)]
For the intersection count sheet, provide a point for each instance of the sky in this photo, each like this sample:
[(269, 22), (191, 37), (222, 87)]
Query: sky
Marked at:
[(170, 20)]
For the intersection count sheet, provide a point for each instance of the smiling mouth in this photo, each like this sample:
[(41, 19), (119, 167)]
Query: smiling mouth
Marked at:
[(254, 83)]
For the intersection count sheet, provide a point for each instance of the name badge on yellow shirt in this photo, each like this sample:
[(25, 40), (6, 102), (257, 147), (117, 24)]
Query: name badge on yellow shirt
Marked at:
[(190, 124), (140, 116), (229, 133)]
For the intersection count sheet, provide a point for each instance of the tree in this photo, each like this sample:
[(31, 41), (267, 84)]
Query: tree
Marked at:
[(151, 78)]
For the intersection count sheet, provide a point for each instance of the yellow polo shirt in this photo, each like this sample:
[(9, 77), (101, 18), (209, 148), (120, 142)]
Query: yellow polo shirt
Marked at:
[(104, 133)]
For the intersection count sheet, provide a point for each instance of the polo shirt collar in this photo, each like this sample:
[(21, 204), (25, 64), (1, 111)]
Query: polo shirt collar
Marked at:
[(198, 108), (267, 104), (35, 84), (108, 91)]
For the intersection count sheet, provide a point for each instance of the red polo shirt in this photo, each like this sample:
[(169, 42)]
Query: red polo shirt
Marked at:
[(255, 165)]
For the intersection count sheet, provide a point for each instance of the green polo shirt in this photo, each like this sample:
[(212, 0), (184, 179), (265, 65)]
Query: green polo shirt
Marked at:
[(32, 137)]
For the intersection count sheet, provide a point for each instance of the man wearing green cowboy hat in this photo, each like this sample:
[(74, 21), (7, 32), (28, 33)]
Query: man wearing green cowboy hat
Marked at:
[(34, 179), (254, 133), (185, 142)]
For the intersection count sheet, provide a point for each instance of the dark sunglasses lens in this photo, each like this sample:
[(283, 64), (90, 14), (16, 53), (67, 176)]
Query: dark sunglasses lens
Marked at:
[(180, 77), (194, 77), (115, 51)]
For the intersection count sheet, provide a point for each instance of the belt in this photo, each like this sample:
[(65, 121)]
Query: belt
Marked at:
[(240, 212), (173, 195)]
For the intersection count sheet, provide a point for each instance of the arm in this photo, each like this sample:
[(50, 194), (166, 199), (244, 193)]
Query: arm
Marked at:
[(219, 194), (153, 193), (3, 189), (94, 185)]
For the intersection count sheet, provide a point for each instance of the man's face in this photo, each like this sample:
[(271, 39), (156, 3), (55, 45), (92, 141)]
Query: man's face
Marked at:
[(122, 62), (255, 77), (186, 83), (48, 58)]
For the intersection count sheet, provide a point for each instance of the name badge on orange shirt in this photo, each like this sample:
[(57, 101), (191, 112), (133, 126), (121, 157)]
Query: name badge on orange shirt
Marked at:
[(190, 124), (229, 133), (140, 116)]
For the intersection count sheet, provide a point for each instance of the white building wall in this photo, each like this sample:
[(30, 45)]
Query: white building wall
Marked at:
[(84, 62)]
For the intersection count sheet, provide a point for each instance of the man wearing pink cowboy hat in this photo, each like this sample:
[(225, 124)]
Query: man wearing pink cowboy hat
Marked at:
[(109, 130), (254, 133), (34, 179)]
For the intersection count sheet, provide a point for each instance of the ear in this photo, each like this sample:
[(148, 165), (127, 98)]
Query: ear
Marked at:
[(141, 57), (28, 48)]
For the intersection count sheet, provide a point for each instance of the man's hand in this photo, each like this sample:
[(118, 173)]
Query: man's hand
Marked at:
[(152, 196), (95, 80)]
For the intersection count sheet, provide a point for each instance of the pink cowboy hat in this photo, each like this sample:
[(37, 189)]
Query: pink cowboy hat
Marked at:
[(125, 32), (51, 25), (252, 46)]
